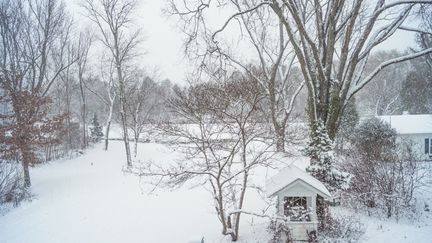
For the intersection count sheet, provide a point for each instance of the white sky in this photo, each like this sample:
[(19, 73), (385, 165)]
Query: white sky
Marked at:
[(163, 43)]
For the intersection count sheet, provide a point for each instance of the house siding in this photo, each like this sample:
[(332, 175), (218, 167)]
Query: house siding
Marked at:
[(418, 143)]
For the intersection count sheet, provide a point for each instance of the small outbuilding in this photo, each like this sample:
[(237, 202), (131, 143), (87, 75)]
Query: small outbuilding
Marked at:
[(297, 193)]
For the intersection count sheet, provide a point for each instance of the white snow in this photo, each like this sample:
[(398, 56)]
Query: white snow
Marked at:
[(90, 200), (289, 175), (409, 124), (382, 230)]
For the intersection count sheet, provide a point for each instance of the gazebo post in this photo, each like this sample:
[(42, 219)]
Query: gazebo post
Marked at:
[(314, 212)]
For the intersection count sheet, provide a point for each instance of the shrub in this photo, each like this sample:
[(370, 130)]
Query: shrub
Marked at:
[(346, 229), (11, 183), (384, 173), (279, 231)]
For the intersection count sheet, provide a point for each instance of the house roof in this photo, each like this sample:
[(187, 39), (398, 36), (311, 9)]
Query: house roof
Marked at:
[(290, 175), (409, 124)]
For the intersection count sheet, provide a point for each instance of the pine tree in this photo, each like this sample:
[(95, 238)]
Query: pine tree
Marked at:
[(322, 167), (349, 121), (96, 130), (416, 89)]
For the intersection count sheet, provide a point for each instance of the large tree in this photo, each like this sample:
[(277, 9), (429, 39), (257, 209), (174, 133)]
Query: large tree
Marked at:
[(417, 86), (333, 41), (84, 44), (330, 39), (221, 142), (142, 104), (33, 37), (270, 60), (113, 19)]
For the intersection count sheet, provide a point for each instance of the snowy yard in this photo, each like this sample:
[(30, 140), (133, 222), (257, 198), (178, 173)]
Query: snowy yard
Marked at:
[(249, 121), (90, 199)]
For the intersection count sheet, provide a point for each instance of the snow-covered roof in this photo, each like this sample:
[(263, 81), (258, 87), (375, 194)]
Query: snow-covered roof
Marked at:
[(290, 175), (409, 124)]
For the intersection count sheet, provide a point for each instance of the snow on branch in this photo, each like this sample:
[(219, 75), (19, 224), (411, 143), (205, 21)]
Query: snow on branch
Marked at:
[(236, 15), (383, 65), (261, 215), (407, 28)]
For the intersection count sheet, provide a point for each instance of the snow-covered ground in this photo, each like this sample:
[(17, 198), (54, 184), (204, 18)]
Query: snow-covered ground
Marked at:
[(90, 199)]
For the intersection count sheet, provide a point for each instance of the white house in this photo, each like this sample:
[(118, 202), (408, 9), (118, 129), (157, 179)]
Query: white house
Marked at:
[(416, 129), (297, 193)]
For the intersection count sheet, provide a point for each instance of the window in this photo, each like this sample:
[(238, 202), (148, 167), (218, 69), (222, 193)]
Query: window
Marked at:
[(428, 146), (296, 208)]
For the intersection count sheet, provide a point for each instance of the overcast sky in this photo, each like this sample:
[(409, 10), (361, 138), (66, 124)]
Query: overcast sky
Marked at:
[(163, 43)]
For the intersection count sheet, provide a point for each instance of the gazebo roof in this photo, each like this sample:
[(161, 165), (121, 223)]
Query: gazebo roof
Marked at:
[(289, 176)]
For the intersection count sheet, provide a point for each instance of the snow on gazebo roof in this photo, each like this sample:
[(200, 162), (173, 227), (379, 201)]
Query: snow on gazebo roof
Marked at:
[(290, 175), (409, 124)]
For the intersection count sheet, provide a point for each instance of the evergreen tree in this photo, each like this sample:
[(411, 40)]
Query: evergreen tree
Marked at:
[(96, 130), (375, 140), (349, 121), (416, 90), (322, 167)]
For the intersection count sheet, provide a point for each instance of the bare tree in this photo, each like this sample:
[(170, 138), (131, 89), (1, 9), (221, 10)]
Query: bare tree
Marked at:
[(34, 36), (112, 94), (221, 143), (382, 95), (107, 96), (142, 92), (63, 92), (276, 64), (113, 18), (84, 43), (332, 41), (273, 60)]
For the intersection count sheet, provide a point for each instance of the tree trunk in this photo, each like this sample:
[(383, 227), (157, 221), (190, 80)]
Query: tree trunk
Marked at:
[(322, 209), (136, 133), (124, 118), (125, 128), (84, 117), (123, 108), (27, 181), (108, 124), (107, 130), (83, 114), (235, 233), (280, 139), (136, 146), (327, 112), (69, 145), (27, 157)]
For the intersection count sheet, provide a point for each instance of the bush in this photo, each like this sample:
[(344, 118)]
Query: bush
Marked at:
[(279, 231), (341, 230), (11, 183), (384, 173)]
